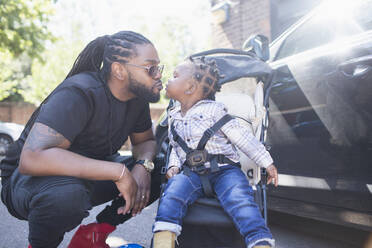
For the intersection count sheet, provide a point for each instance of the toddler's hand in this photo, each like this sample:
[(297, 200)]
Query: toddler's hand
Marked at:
[(272, 175), (172, 171)]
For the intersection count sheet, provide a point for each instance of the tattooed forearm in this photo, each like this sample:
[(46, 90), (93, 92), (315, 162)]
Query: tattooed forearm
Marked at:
[(42, 137)]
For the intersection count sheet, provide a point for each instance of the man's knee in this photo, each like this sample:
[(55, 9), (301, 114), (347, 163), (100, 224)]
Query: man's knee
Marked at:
[(66, 201), (55, 211)]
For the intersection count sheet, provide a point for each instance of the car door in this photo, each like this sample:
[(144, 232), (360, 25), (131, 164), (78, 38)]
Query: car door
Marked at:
[(321, 111)]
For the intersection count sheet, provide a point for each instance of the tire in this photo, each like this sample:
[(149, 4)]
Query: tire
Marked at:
[(5, 141)]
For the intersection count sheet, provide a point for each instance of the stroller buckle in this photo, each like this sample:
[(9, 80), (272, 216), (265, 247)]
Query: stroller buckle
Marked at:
[(196, 158)]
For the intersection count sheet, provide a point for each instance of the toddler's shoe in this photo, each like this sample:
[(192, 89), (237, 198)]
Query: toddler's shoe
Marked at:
[(164, 239)]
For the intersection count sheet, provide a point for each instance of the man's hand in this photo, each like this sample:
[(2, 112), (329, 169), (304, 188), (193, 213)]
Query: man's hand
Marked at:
[(127, 187), (172, 171), (273, 175), (143, 179)]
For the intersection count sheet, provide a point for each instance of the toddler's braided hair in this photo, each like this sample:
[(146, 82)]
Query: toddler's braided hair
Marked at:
[(206, 73)]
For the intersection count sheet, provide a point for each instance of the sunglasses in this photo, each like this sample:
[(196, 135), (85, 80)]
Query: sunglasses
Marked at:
[(152, 70)]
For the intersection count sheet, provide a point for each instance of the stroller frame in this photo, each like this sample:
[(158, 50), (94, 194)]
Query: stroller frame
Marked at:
[(235, 65)]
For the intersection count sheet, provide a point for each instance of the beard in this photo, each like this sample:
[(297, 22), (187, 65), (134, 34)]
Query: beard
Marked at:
[(142, 91)]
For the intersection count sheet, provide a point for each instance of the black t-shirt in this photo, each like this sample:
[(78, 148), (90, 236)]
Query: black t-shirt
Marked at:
[(84, 111)]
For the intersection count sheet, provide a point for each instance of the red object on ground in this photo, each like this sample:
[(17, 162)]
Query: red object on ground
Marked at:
[(93, 235)]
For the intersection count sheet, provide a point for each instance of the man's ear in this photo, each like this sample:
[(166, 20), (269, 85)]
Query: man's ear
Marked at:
[(192, 86), (118, 71)]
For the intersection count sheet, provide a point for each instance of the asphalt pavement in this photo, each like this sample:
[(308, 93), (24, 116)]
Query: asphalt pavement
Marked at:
[(13, 232)]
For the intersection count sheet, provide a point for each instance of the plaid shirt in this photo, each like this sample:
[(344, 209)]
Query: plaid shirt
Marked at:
[(202, 116)]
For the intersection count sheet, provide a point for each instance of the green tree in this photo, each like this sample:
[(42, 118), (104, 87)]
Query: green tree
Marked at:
[(174, 42), (45, 77), (23, 35)]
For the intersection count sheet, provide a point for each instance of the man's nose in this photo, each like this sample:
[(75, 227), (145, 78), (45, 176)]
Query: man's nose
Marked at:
[(158, 75)]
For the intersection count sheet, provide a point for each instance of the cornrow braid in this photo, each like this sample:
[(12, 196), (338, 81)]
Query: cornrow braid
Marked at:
[(207, 73), (100, 53)]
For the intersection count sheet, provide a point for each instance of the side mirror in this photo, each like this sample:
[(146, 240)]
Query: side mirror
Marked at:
[(259, 44)]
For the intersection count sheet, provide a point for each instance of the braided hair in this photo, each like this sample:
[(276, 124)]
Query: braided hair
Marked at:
[(100, 53), (206, 73)]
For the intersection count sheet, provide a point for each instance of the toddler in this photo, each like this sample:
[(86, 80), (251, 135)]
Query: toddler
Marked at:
[(208, 161)]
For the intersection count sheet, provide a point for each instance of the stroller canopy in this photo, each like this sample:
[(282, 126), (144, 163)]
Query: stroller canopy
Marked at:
[(234, 64)]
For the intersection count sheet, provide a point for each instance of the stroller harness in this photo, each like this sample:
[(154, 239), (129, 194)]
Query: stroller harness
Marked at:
[(196, 158)]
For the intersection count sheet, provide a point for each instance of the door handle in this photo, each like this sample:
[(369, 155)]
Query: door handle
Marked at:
[(357, 67)]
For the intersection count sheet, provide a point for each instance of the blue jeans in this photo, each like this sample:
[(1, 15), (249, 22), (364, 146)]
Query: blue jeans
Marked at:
[(232, 190)]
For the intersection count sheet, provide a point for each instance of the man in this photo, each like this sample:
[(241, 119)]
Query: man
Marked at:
[(64, 162)]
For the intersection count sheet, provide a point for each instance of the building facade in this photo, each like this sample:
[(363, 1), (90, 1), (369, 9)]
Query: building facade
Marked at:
[(237, 20)]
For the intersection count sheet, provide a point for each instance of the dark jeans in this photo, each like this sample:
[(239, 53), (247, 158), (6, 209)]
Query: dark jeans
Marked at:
[(54, 205)]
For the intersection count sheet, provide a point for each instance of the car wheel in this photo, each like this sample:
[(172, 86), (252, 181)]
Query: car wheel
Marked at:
[(5, 141)]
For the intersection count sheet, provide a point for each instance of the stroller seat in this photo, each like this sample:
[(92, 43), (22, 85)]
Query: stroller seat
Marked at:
[(206, 211)]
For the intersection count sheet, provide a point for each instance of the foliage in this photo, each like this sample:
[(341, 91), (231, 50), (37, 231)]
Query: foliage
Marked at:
[(175, 42), (23, 34), (46, 76), (172, 53), (23, 26)]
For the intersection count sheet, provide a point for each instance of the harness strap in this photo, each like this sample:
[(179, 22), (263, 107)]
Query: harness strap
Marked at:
[(214, 164), (179, 140), (186, 170), (207, 187), (212, 130), (220, 158)]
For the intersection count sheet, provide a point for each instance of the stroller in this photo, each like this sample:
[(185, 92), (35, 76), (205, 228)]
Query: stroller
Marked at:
[(246, 84)]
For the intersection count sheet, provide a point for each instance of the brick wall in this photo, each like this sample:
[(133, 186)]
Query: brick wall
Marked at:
[(17, 112), (247, 17), (20, 112)]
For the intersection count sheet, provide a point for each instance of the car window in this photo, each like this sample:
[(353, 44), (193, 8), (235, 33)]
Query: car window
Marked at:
[(326, 26)]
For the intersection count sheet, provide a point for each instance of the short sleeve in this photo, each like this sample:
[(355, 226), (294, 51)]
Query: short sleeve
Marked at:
[(67, 111), (143, 121)]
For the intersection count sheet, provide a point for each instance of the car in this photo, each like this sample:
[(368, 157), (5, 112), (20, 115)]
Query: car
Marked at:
[(320, 128), (9, 132)]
